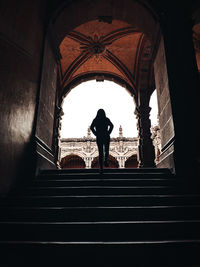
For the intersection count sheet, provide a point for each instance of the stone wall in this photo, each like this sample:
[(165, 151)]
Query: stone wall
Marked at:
[(164, 109), (46, 110), (21, 42)]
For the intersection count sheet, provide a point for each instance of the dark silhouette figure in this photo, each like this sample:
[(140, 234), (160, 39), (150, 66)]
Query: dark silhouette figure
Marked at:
[(102, 128)]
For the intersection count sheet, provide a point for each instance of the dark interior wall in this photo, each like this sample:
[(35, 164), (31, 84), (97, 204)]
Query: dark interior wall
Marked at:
[(46, 110), (21, 42), (183, 86)]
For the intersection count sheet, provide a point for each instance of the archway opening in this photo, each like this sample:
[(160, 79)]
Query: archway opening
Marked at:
[(82, 103), (72, 161), (112, 162), (80, 107), (131, 162), (119, 49), (116, 45)]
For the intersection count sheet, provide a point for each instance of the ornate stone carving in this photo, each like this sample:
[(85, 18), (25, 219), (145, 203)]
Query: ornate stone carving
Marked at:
[(155, 130), (121, 148), (95, 46)]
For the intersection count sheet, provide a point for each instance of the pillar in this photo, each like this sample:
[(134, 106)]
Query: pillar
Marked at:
[(145, 146), (56, 138)]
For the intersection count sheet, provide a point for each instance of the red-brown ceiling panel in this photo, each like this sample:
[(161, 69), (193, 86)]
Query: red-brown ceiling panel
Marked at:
[(125, 49), (98, 64), (100, 47), (69, 50)]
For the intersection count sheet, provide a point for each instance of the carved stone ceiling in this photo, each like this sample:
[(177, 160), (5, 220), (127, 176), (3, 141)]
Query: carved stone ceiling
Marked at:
[(101, 47)]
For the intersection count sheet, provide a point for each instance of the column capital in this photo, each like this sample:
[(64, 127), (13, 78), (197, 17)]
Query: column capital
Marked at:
[(142, 110)]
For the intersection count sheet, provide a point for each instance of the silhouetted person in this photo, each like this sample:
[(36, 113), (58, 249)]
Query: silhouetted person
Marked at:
[(102, 128)]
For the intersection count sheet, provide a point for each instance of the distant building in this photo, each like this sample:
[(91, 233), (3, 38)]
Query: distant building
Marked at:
[(83, 152)]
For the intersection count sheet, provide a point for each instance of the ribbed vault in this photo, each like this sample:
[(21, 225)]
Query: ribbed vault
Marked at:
[(115, 49)]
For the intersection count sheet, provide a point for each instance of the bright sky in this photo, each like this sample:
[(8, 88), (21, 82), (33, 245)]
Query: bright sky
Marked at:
[(82, 103)]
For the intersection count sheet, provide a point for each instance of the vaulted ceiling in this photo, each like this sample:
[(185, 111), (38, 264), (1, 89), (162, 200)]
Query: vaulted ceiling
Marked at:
[(112, 48)]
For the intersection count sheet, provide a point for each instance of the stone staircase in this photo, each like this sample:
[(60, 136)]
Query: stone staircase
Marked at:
[(130, 217)]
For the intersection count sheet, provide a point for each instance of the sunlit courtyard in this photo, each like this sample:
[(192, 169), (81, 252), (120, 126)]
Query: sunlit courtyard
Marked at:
[(81, 104)]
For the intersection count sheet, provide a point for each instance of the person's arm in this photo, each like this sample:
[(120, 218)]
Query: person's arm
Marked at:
[(93, 129), (111, 126)]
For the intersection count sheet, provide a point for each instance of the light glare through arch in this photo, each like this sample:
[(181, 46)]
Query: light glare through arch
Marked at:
[(81, 104)]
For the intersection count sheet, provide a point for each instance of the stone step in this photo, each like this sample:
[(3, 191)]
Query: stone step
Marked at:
[(99, 190), (107, 170), (98, 214), (121, 218), (126, 231), (104, 176), (97, 200), (168, 253), (103, 182)]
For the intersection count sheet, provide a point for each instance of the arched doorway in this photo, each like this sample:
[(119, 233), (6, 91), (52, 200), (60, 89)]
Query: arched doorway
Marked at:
[(72, 161), (93, 46), (131, 162), (117, 44), (113, 163), (89, 97)]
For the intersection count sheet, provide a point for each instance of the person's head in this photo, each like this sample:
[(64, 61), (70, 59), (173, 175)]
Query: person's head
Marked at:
[(101, 114)]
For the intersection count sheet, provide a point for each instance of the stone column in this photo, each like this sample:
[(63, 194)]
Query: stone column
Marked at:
[(87, 162), (145, 146), (56, 138), (123, 162), (90, 163)]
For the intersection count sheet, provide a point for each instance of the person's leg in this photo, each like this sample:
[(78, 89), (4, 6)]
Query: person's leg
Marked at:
[(107, 145), (100, 149)]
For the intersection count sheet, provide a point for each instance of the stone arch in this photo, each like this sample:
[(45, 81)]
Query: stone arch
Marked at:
[(78, 153), (84, 11), (62, 24), (141, 81), (72, 161), (145, 48), (113, 163), (98, 77), (132, 162)]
